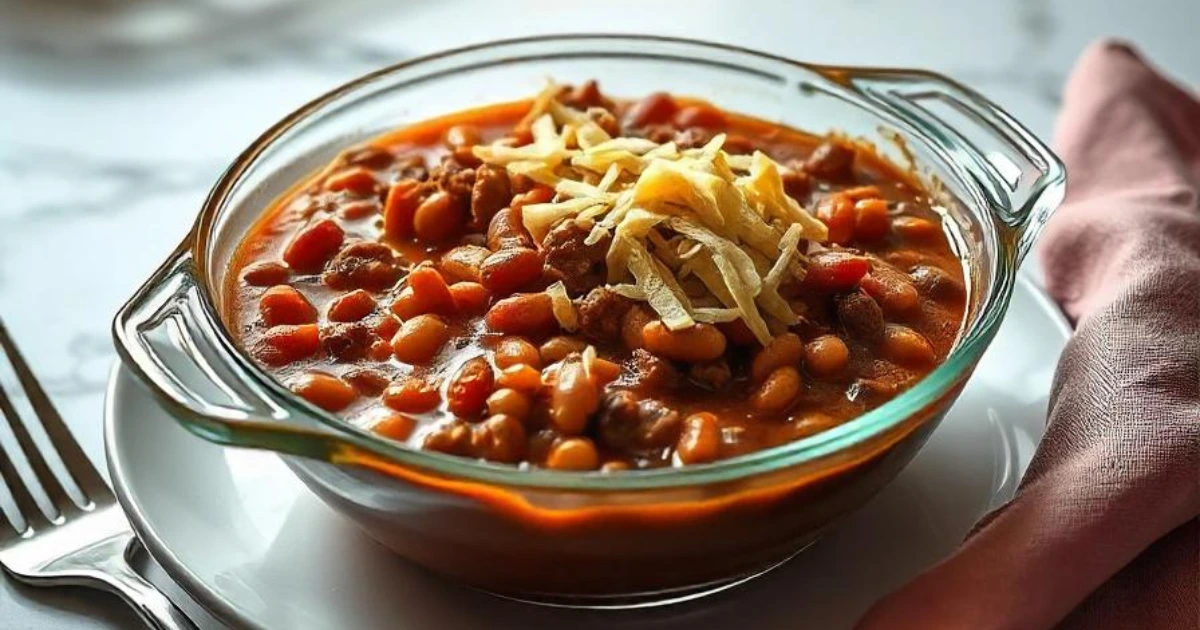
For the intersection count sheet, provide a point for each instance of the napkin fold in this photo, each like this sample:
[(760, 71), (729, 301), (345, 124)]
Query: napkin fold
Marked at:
[(1103, 532)]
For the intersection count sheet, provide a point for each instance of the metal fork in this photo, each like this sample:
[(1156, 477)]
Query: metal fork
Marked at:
[(88, 544)]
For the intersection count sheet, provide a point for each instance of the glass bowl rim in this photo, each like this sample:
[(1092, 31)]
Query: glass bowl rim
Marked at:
[(926, 391)]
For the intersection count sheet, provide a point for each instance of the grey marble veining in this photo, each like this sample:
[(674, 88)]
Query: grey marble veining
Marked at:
[(115, 117)]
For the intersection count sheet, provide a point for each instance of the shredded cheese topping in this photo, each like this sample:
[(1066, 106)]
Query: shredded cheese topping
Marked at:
[(672, 214)]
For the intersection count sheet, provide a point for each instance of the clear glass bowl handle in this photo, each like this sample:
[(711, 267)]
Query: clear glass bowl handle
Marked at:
[(1022, 180), (247, 414)]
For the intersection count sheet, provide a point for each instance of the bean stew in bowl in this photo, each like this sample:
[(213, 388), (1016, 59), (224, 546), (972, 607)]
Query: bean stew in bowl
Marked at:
[(579, 282), (622, 339)]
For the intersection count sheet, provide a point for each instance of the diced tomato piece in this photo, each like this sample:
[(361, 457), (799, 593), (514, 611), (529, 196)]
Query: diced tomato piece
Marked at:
[(871, 220), (430, 290), (837, 212)]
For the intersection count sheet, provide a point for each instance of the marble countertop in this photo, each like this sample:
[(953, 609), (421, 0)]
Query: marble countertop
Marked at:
[(115, 117)]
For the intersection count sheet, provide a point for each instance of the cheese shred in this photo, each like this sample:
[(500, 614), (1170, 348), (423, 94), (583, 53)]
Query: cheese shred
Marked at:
[(671, 214)]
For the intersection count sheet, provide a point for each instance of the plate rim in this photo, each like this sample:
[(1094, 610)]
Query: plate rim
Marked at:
[(219, 607)]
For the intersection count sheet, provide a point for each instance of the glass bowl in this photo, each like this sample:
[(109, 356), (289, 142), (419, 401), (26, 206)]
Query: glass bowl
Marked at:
[(592, 539)]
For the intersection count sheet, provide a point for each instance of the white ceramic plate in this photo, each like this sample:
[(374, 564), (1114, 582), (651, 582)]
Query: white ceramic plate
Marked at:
[(248, 542)]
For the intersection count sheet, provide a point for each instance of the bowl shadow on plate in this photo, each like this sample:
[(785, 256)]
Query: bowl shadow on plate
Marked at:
[(909, 526)]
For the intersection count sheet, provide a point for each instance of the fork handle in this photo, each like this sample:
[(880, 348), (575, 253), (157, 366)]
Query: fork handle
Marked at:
[(108, 566), (146, 600)]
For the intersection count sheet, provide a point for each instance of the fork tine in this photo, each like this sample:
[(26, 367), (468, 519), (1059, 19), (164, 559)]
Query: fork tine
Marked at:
[(78, 465), (52, 486), (26, 505)]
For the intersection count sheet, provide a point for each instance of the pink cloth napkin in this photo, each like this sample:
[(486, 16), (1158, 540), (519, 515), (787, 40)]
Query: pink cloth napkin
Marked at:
[(1104, 531)]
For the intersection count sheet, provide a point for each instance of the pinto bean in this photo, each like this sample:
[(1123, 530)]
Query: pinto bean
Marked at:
[(907, 347), (577, 454), (500, 438), (521, 377), (412, 394), (826, 355), (700, 116), (509, 402), (937, 283), (915, 228), (324, 390), (655, 108), (399, 207), (779, 391), (393, 425), (452, 438), (510, 269), (700, 440), (285, 305), (470, 298), (505, 231), (281, 345), (265, 273), (557, 348), (313, 246), (702, 342), (356, 179), (420, 339), (469, 388), (860, 316), (784, 349), (439, 218), (525, 314), (463, 263), (575, 397), (893, 290), (516, 351), (370, 156), (359, 209), (351, 307)]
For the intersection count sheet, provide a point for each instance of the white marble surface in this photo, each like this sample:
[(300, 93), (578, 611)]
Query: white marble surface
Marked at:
[(115, 116)]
